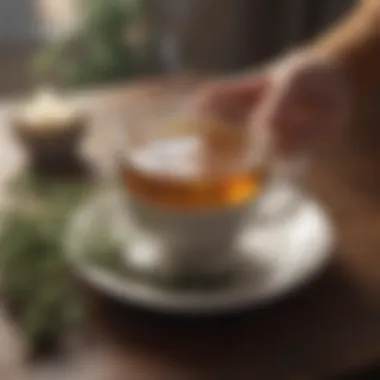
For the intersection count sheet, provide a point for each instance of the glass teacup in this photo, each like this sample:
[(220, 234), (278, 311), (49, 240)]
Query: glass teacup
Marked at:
[(191, 184)]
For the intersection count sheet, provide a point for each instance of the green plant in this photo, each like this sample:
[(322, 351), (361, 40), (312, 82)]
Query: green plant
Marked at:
[(35, 277), (100, 51)]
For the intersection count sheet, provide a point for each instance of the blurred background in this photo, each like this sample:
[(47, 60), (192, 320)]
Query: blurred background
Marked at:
[(80, 44), (87, 42)]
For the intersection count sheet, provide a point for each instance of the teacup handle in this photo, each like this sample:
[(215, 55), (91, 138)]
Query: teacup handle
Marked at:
[(282, 194)]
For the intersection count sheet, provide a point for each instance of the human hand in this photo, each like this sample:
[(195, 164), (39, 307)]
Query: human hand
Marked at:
[(295, 103)]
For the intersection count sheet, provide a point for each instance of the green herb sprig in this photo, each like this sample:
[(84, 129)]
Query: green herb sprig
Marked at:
[(34, 275)]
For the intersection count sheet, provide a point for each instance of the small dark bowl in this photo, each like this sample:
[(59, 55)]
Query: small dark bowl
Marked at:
[(53, 152)]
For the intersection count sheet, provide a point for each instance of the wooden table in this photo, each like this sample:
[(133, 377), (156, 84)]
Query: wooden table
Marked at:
[(329, 327)]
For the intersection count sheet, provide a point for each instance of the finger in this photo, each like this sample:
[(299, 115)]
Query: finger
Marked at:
[(307, 115), (305, 105), (233, 101)]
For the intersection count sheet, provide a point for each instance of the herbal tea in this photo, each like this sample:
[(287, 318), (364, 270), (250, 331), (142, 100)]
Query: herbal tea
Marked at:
[(192, 172)]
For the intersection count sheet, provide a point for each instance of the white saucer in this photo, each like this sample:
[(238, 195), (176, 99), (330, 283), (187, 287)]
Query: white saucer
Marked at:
[(278, 257)]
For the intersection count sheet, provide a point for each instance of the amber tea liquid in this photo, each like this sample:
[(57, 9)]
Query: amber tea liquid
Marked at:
[(187, 172)]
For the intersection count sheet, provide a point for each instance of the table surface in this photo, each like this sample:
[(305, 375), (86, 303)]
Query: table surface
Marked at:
[(330, 326)]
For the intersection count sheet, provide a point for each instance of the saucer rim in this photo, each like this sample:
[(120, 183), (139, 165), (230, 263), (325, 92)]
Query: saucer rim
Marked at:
[(156, 297)]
